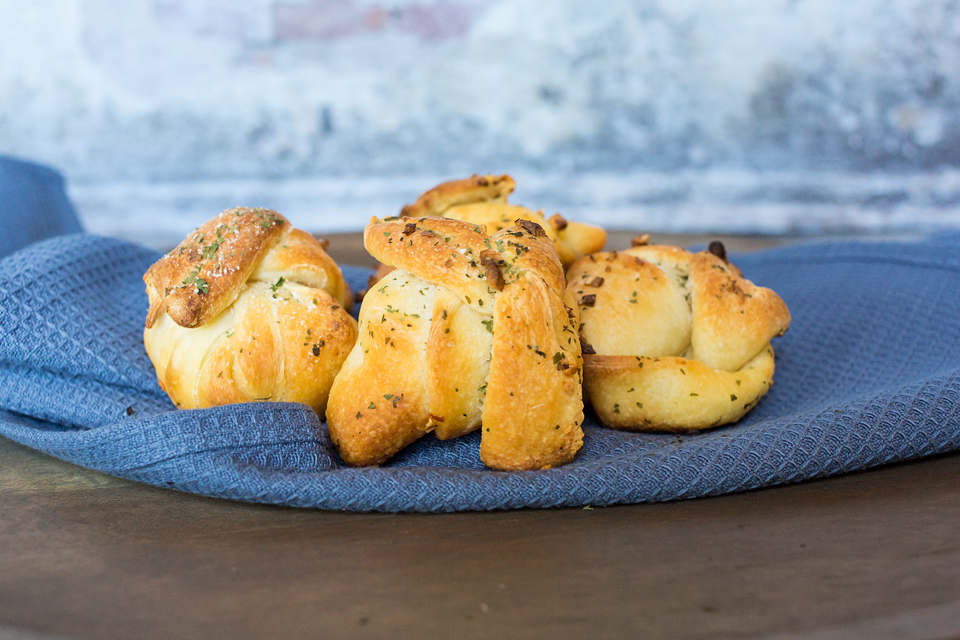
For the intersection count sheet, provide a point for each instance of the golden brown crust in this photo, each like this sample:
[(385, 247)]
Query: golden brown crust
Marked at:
[(204, 274), (581, 239), (682, 340), (458, 362), (476, 188), (378, 403), (300, 258), (732, 318), (284, 332), (673, 394), (468, 329), (635, 308), (482, 200), (533, 410), (446, 252)]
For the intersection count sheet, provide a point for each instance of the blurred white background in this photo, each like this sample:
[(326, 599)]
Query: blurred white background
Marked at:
[(746, 116)]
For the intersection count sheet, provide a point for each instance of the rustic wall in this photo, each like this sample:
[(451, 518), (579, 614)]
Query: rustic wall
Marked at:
[(744, 115)]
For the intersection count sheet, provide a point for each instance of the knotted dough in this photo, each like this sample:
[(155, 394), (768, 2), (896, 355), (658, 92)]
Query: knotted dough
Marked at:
[(681, 340), (468, 330), (483, 200), (247, 308)]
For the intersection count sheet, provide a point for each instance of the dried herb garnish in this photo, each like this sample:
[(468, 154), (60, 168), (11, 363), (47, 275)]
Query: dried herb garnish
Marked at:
[(558, 222), (210, 250), (532, 227), (716, 248), (200, 285), (585, 347), (494, 277)]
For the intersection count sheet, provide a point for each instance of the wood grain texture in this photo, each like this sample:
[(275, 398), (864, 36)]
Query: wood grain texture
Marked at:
[(88, 557)]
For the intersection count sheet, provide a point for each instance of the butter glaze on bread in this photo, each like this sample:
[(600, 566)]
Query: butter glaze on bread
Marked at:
[(482, 200), (468, 330), (681, 340), (247, 308)]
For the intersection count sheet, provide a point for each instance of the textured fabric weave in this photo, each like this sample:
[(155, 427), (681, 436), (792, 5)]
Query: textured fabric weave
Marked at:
[(868, 374), (33, 205)]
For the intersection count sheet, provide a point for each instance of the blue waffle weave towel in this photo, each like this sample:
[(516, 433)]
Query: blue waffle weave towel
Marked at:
[(868, 374), (33, 205)]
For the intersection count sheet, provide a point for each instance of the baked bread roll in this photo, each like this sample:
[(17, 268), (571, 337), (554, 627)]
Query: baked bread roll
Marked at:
[(483, 200), (247, 308), (468, 330), (680, 340)]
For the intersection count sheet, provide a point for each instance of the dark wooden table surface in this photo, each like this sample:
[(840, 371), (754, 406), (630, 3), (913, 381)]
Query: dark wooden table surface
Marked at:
[(868, 555)]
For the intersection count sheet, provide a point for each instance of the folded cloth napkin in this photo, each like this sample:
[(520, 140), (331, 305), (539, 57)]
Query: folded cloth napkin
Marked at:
[(33, 205), (868, 374)]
